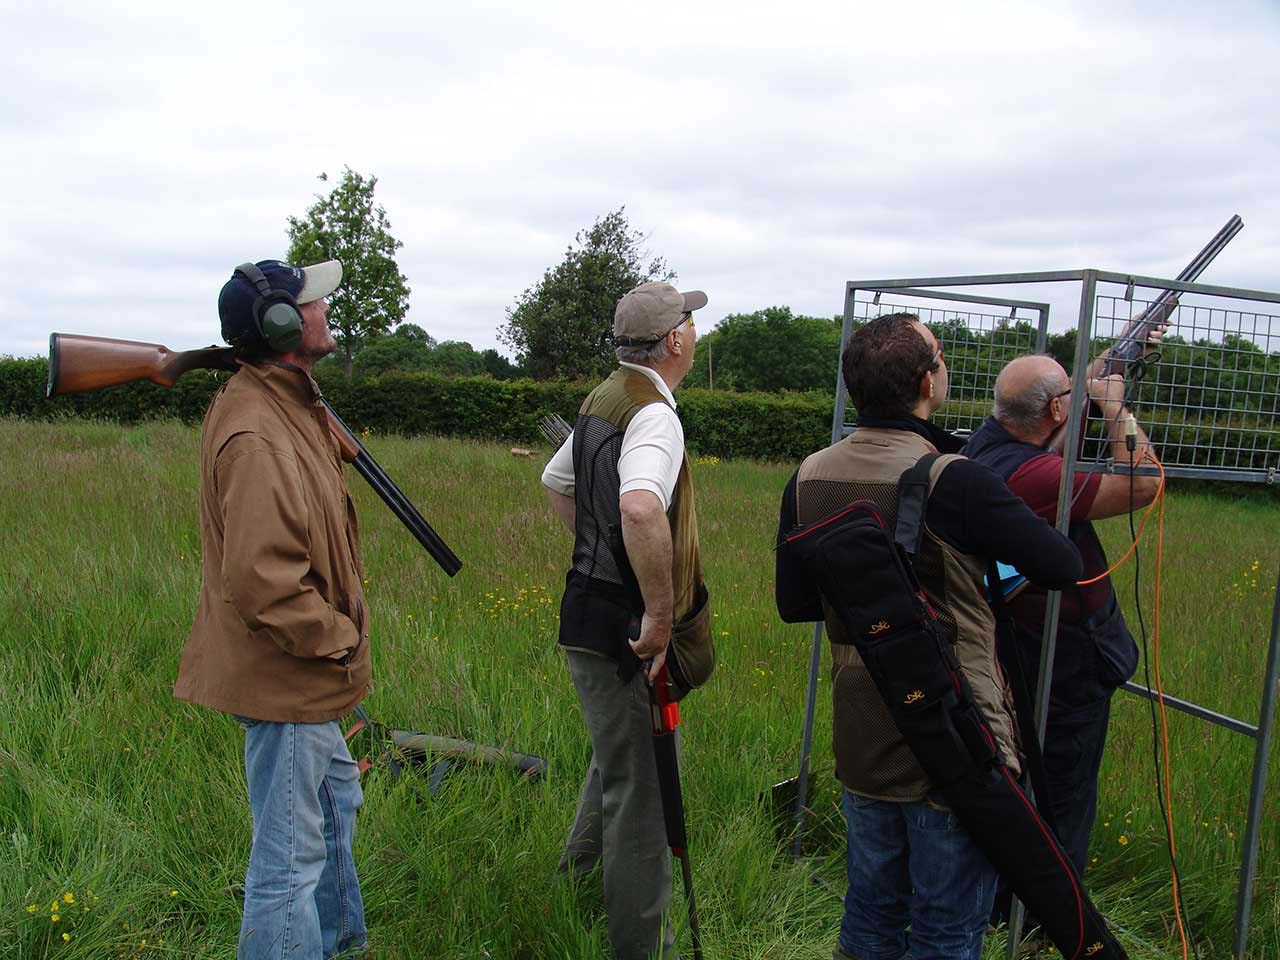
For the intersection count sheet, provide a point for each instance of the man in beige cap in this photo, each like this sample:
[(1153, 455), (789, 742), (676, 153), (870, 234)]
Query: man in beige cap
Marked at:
[(634, 600)]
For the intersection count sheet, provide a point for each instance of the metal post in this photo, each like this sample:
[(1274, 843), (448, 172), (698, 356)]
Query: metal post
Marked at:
[(806, 738), (1042, 329), (1049, 644), (1262, 753), (815, 654)]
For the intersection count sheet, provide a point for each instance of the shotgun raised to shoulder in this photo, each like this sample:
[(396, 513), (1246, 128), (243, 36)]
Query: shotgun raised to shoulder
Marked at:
[(1133, 338), (78, 363)]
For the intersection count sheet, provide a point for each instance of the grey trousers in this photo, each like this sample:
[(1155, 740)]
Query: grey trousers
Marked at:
[(619, 816)]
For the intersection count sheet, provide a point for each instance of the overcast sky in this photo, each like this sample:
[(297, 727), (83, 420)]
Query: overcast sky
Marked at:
[(771, 152)]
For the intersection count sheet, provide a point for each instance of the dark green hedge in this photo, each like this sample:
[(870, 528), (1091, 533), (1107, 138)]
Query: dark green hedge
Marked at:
[(778, 427), (757, 426)]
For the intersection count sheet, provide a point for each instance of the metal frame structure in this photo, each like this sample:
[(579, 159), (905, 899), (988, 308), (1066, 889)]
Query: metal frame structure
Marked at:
[(839, 430), (1089, 280)]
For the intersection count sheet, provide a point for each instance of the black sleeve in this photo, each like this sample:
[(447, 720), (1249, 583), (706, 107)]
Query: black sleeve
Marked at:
[(973, 510), (798, 599)]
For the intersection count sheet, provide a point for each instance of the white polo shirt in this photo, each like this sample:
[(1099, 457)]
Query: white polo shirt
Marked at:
[(652, 449)]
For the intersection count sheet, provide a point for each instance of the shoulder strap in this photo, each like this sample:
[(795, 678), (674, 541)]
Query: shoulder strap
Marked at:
[(1009, 652), (913, 497)]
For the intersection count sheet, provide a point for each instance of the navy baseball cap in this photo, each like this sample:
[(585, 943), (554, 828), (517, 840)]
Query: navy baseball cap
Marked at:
[(303, 284)]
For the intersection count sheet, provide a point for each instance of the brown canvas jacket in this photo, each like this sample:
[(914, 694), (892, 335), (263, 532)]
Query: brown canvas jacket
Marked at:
[(281, 630)]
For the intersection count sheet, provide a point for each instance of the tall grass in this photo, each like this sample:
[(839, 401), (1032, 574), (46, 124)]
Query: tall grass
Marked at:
[(133, 803)]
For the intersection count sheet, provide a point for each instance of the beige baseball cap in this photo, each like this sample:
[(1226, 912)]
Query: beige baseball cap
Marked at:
[(651, 311)]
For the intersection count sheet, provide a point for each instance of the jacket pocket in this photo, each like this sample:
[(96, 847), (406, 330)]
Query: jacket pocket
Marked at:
[(694, 652), (1117, 653)]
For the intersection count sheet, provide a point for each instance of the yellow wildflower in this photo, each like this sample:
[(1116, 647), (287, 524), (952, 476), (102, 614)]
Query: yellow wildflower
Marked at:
[(53, 918), (1124, 841), (68, 897), (173, 893), (66, 936), (32, 908)]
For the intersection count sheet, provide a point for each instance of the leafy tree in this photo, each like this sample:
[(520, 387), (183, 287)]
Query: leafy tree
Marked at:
[(346, 225), (411, 331), (559, 327), (456, 357), (498, 366), (770, 349), (409, 347)]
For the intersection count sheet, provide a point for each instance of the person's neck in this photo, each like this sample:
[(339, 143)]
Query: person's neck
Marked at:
[(303, 363), (1038, 437), (671, 374), (289, 361)]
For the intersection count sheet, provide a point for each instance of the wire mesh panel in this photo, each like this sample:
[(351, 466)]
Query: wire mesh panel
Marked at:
[(1211, 401), (976, 343)]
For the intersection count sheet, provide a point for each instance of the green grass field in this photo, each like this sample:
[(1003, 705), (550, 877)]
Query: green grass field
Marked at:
[(132, 804)]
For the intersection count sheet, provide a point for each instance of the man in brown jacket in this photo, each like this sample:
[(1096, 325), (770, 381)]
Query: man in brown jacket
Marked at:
[(280, 638)]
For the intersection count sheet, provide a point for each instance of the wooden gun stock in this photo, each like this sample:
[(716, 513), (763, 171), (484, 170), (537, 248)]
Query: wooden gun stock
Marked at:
[(78, 363)]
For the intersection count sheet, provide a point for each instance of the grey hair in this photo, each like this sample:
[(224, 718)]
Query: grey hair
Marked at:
[(1023, 411), (646, 354)]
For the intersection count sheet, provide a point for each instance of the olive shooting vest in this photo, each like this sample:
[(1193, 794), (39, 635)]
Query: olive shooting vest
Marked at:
[(601, 597)]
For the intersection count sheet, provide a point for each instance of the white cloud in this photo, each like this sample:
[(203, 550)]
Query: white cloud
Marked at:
[(770, 152)]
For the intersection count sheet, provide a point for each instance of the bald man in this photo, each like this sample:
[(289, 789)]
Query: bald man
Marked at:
[(1095, 651)]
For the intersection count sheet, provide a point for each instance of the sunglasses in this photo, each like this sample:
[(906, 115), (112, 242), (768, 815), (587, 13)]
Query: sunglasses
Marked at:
[(937, 355), (687, 318)]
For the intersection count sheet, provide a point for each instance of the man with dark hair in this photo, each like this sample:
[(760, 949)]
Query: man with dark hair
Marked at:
[(918, 884), (1095, 651), (280, 638), (621, 484)]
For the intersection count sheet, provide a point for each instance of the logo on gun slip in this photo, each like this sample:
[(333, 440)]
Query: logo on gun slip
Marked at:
[(880, 627), (914, 696), (1094, 947)]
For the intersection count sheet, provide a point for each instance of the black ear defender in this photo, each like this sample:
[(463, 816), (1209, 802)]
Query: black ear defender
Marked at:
[(276, 317)]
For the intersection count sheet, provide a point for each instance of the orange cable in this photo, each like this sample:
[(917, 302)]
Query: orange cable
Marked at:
[(1142, 526), (1164, 719), (1155, 639)]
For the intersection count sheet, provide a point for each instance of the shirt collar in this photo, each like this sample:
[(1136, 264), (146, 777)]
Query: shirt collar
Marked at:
[(285, 379), (942, 441), (653, 375)]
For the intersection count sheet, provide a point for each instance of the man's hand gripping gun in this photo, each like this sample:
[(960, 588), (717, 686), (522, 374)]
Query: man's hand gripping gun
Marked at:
[(1132, 342)]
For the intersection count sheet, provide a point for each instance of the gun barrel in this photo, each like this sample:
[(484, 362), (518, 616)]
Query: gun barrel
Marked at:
[(394, 498), (1211, 250), (1129, 345)]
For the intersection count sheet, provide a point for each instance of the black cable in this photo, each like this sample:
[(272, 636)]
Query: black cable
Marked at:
[(1155, 726)]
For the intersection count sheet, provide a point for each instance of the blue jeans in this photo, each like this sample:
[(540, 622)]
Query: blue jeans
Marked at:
[(913, 865), (301, 895)]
